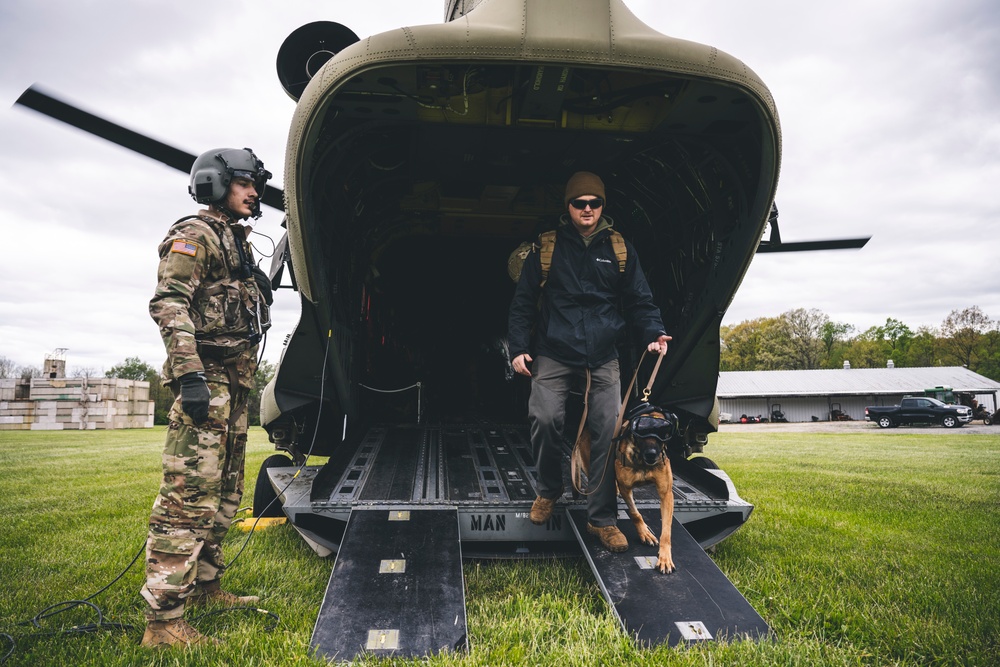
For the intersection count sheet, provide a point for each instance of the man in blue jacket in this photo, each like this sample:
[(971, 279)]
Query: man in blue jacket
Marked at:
[(565, 330)]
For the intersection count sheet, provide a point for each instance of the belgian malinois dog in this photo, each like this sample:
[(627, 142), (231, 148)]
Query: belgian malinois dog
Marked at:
[(641, 458)]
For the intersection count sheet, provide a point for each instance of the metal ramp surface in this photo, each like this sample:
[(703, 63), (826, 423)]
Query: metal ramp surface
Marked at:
[(396, 588), (487, 472), (695, 603)]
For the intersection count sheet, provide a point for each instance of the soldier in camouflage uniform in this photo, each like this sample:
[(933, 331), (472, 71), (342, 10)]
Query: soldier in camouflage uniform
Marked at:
[(211, 306)]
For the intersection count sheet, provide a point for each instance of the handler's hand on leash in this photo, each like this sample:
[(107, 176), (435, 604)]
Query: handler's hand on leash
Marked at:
[(520, 364), (658, 346)]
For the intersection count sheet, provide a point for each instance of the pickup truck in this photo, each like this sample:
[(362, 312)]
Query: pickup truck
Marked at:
[(919, 410)]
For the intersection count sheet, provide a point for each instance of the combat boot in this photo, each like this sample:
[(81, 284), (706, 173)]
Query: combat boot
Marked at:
[(541, 510), (212, 593), (174, 632), (612, 538)]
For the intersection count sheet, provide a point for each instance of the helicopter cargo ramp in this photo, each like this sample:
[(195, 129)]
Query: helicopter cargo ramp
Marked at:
[(694, 603), (403, 505), (396, 588), (487, 473)]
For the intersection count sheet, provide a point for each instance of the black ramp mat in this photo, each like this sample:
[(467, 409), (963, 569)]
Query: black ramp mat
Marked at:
[(396, 588), (697, 602)]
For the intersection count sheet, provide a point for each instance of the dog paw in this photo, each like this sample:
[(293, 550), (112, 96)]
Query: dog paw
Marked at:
[(646, 536), (665, 563)]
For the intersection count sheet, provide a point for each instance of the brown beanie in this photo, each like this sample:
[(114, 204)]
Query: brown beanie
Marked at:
[(584, 183)]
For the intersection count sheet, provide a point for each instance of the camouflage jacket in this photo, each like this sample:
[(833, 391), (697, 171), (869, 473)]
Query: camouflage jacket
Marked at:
[(206, 310)]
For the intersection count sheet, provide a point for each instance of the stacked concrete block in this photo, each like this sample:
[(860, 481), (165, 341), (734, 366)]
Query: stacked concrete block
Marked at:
[(48, 404)]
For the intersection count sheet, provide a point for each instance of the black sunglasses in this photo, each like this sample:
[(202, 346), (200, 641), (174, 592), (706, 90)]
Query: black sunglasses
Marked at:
[(581, 204)]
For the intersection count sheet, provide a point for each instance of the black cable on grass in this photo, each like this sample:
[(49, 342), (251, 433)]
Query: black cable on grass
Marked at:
[(101, 624), (73, 604), (86, 628), (10, 651), (312, 445), (67, 605)]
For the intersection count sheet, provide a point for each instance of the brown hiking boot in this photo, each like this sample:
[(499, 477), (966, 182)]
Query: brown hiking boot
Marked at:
[(541, 510), (174, 632), (212, 593), (612, 538)]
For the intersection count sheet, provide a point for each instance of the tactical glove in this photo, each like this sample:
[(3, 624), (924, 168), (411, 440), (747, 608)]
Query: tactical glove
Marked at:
[(195, 397), (263, 284)]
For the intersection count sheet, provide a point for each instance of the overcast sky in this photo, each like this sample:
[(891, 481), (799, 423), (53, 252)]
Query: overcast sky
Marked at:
[(890, 118)]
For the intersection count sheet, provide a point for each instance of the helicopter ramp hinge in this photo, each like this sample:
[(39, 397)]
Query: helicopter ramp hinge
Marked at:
[(694, 603), (396, 588)]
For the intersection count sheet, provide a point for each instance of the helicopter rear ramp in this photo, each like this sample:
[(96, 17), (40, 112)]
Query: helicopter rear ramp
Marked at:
[(488, 473), (404, 505), (396, 588), (694, 603)]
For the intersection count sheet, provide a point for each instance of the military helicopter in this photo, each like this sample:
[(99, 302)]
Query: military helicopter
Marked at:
[(417, 160)]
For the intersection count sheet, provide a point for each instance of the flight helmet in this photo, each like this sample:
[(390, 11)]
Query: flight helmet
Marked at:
[(213, 171)]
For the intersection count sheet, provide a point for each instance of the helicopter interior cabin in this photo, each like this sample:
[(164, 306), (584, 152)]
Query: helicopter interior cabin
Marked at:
[(420, 180)]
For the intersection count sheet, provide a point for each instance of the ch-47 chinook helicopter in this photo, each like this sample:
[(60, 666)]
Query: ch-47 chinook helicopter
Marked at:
[(417, 159)]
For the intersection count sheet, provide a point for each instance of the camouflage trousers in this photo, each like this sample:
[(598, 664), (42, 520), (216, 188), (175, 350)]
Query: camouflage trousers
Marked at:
[(199, 496)]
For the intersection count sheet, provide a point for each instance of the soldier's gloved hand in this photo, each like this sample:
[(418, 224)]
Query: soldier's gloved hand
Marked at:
[(195, 396), (263, 284)]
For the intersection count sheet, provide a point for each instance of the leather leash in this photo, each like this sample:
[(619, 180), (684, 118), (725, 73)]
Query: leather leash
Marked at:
[(574, 459)]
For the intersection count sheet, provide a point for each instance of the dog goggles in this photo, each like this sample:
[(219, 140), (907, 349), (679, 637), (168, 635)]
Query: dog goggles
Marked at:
[(581, 204), (648, 426)]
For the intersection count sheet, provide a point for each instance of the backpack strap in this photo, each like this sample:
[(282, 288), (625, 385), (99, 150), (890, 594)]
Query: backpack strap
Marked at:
[(547, 245), (618, 243)]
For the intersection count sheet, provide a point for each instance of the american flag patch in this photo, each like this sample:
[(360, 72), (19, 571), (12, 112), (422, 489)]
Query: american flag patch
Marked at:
[(184, 247)]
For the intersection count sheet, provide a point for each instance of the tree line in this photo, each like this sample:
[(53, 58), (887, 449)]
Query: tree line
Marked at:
[(799, 339), (803, 339)]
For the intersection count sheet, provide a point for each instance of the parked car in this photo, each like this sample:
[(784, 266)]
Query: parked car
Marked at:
[(919, 410)]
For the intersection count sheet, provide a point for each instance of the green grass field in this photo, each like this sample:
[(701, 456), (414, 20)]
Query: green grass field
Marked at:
[(865, 548)]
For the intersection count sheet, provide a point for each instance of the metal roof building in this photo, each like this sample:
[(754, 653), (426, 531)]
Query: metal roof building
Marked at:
[(821, 395)]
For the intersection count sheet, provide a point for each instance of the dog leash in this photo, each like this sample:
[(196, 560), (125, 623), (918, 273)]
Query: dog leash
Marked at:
[(575, 458), (645, 392)]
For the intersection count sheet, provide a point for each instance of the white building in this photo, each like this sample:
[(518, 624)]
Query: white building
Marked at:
[(819, 395)]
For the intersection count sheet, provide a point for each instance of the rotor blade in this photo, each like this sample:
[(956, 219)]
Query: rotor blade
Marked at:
[(43, 103), (88, 122), (802, 246)]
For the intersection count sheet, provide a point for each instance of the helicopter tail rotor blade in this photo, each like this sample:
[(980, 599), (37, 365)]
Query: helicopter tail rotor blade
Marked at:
[(45, 104)]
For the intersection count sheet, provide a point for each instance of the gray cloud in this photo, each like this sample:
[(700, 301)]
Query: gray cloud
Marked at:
[(888, 113)]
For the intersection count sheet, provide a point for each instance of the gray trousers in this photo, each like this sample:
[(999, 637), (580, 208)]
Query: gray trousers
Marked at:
[(551, 382)]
